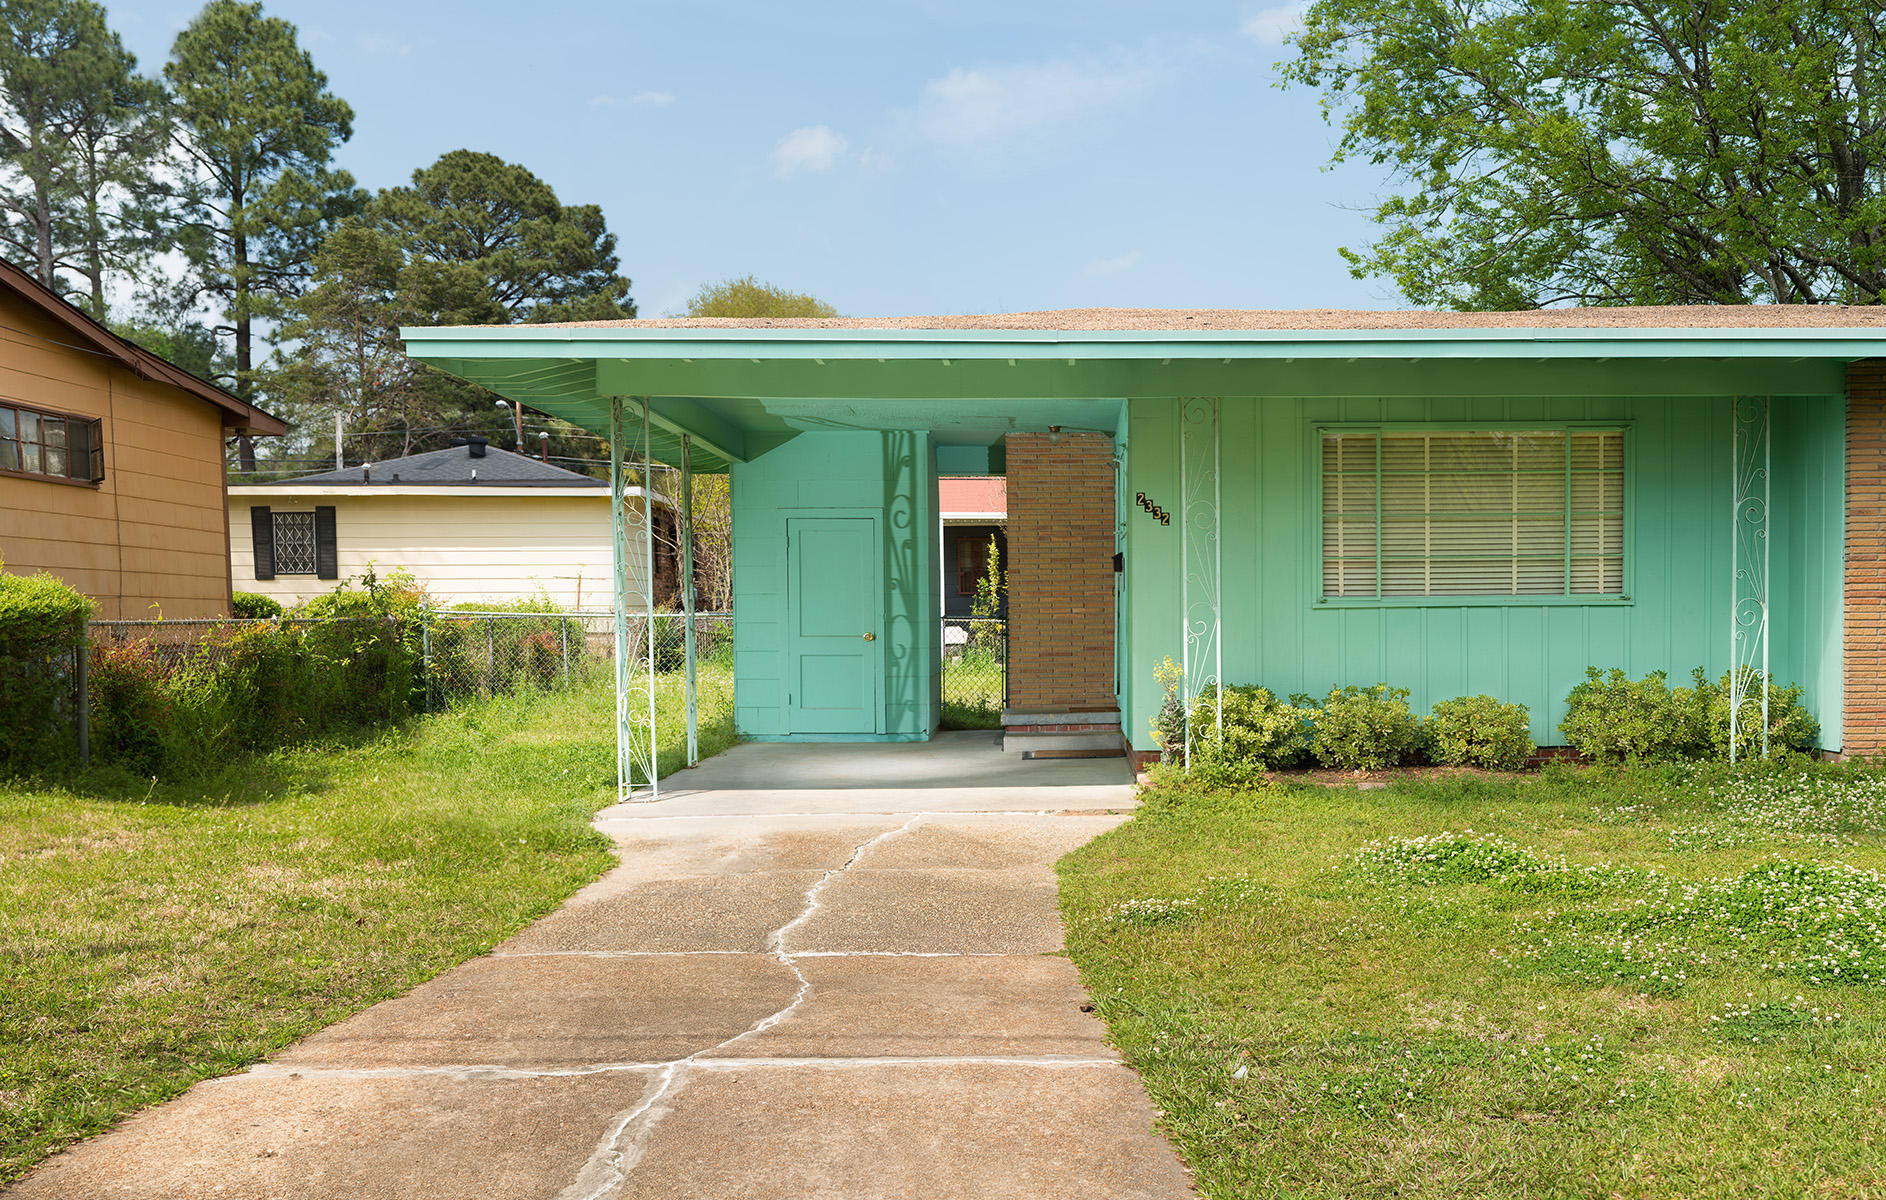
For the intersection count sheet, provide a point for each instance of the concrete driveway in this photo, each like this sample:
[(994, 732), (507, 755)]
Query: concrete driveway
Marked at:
[(820, 971)]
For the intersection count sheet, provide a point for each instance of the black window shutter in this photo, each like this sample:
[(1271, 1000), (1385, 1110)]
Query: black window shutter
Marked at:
[(262, 536), (327, 563)]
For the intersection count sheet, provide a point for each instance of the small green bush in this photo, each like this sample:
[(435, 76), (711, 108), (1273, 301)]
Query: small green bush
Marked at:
[(41, 624), (1261, 732), (253, 606), (1791, 728), (1365, 728), (1480, 731), (1612, 718)]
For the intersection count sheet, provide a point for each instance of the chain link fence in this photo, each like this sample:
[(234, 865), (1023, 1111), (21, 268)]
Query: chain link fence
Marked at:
[(975, 672), (474, 655)]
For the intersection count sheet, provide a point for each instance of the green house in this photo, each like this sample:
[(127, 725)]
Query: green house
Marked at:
[(1451, 503)]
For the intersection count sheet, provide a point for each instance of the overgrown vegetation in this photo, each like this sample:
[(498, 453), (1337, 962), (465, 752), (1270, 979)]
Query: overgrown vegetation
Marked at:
[(155, 933), (1648, 982)]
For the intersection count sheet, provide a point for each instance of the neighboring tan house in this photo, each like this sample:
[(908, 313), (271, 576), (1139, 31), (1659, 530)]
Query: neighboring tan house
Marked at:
[(111, 462), (974, 512), (472, 523)]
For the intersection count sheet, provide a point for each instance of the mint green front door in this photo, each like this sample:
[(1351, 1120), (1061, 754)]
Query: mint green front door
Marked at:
[(832, 624)]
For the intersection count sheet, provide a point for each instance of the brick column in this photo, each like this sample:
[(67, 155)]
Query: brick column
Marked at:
[(1864, 619), (1060, 571)]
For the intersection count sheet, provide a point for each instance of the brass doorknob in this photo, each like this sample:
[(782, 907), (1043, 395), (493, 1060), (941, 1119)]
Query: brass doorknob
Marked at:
[(870, 637)]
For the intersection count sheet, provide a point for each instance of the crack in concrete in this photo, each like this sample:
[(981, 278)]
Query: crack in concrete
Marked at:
[(612, 1161), (888, 812), (768, 954)]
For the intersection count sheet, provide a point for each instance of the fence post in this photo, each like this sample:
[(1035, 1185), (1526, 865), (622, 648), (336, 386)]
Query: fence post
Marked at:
[(425, 653), (563, 629), (491, 655), (83, 653)]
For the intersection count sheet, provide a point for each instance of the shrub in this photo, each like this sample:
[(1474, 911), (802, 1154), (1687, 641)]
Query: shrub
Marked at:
[(1480, 731), (253, 606), (1261, 732), (41, 622), (131, 707), (1791, 728), (1365, 728), (1611, 717)]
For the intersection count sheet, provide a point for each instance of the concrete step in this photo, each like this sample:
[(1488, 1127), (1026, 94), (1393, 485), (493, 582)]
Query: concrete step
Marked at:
[(1013, 718), (1064, 744)]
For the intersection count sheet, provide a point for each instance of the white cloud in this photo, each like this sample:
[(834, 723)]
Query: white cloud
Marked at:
[(1272, 25), (385, 43), (813, 148), (656, 99), (973, 107), (1114, 265)]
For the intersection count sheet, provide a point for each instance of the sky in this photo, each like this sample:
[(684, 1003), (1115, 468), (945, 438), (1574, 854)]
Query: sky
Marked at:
[(890, 157)]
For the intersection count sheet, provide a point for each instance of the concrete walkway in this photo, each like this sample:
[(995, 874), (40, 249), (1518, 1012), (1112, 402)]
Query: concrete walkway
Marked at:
[(820, 971)]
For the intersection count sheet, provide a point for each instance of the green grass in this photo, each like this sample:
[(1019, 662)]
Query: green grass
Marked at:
[(974, 688), (1565, 985), (155, 934)]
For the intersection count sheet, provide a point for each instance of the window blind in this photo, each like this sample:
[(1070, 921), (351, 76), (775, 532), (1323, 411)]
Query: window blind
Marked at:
[(1536, 512)]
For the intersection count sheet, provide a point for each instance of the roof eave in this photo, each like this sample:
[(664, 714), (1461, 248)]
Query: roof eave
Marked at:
[(508, 341)]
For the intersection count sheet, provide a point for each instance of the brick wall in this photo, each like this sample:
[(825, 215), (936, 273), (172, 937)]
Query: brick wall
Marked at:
[(1060, 541), (1864, 651)]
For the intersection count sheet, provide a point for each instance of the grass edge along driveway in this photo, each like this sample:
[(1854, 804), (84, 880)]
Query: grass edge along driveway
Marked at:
[(1574, 984), (155, 935)]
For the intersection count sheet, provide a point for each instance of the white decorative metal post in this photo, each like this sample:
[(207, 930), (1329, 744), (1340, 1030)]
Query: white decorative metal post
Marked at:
[(1749, 457), (635, 723), (686, 527), (1200, 560)]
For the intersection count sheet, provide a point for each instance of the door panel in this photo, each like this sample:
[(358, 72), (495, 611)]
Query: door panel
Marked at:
[(832, 605)]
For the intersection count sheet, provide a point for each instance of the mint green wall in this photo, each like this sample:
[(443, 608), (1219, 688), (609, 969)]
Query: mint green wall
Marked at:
[(1278, 635), (889, 476)]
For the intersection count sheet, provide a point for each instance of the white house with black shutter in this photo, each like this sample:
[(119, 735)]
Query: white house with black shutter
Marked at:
[(473, 523)]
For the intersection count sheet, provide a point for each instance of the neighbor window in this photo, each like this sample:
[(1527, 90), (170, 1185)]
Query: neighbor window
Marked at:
[(54, 445), (972, 562), (294, 543), (1525, 512)]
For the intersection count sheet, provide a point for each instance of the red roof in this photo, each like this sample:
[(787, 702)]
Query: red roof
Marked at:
[(965, 494)]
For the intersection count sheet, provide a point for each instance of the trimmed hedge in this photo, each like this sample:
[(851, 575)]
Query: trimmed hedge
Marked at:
[(1612, 718), (1480, 731)]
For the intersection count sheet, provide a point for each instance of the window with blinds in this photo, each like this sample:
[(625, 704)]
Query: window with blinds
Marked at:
[(1531, 512)]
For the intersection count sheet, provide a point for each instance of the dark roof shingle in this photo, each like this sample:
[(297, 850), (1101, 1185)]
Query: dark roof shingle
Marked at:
[(453, 467)]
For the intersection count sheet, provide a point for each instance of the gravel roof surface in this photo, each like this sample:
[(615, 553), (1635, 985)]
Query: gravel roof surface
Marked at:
[(1088, 320)]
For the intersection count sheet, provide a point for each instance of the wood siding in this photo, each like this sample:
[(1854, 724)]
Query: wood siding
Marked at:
[(463, 548), (149, 541)]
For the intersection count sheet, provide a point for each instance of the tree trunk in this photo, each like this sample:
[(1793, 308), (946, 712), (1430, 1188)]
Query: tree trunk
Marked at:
[(245, 385)]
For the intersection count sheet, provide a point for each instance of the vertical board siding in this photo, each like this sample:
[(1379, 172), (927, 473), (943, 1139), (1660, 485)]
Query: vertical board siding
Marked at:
[(1276, 633), (888, 476)]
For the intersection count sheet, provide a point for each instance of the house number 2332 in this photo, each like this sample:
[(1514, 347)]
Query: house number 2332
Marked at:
[(1164, 517)]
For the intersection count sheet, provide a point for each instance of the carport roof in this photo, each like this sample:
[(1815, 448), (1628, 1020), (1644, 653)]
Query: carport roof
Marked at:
[(737, 387)]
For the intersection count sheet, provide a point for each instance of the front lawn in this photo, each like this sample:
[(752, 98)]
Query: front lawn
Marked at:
[(155, 934), (1660, 984)]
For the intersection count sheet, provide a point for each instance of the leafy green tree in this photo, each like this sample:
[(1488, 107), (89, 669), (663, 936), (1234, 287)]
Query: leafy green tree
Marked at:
[(189, 344), (748, 297), (543, 260), (79, 133), (1626, 152), (345, 353), (256, 127)]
